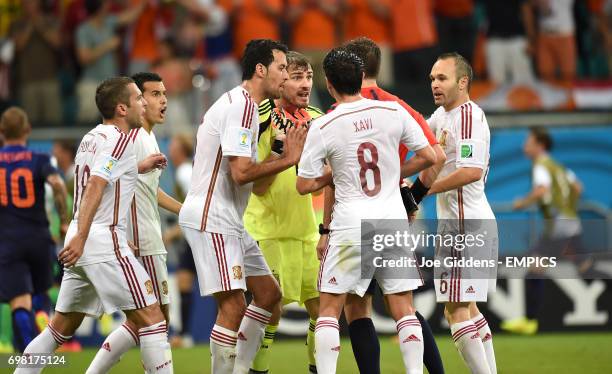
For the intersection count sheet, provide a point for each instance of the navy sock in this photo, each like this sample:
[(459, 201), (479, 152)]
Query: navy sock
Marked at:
[(431, 354), (186, 301), (41, 302), (366, 347), (534, 292), (24, 328)]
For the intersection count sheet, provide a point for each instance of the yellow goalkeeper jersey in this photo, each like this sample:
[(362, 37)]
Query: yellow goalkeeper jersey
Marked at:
[(281, 212)]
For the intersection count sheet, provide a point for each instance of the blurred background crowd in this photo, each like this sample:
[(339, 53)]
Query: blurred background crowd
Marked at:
[(53, 53)]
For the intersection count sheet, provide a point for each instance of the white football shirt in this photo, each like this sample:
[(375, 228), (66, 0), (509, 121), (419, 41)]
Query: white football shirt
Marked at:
[(144, 224), (360, 142), (463, 133), (215, 203), (108, 153)]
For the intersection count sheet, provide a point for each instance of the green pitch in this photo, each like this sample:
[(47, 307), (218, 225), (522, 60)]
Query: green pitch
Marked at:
[(582, 353)]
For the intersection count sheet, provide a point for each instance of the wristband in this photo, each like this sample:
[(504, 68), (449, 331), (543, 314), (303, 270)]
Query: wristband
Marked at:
[(418, 190)]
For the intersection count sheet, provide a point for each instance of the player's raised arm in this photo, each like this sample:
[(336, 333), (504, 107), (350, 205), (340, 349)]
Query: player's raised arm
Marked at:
[(244, 170)]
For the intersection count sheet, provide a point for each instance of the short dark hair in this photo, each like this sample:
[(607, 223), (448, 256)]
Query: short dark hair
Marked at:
[(344, 71), (259, 51), (67, 145), (111, 92), (14, 123), (369, 52), (92, 6), (542, 137), (297, 60), (462, 66), (141, 78)]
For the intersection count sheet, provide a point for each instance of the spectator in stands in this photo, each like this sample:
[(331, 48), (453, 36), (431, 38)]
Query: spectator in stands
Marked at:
[(371, 18), (456, 26), (253, 19), (415, 41), (314, 32), (552, 40), (37, 41), (150, 27), (506, 45), (97, 42)]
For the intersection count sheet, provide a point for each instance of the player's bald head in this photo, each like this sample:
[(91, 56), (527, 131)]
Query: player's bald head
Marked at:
[(14, 123)]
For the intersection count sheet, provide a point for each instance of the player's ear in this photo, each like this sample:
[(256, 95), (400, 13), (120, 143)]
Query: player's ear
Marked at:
[(463, 83), (121, 109), (261, 70)]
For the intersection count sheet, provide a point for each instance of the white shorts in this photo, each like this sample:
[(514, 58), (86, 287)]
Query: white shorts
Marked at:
[(156, 267), (224, 261), (105, 287), (467, 283), (340, 272)]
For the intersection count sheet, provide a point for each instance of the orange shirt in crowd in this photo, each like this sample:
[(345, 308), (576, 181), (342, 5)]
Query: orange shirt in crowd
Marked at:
[(144, 40), (249, 21), (454, 8), (596, 6), (314, 29), (413, 25), (360, 20)]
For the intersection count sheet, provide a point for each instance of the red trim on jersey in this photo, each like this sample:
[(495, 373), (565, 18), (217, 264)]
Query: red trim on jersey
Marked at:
[(247, 115), (135, 226), (136, 284), (120, 141), (356, 111), (154, 279), (211, 188), (466, 121), (134, 133)]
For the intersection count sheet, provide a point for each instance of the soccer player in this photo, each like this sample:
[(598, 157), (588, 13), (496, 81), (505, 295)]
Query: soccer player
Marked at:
[(358, 310), (556, 191), (26, 264), (144, 224), (360, 140), (278, 218), (463, 132), (228, 261), (101, 273)]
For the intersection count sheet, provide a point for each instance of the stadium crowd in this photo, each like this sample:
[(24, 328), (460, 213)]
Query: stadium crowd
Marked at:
[(53, 53)]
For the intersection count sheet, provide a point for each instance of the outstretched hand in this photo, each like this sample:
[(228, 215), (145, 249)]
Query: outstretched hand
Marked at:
[(152, 162)]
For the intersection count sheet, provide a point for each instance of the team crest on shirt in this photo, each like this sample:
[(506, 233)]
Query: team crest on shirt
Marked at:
[(165, 287), (442, 139), (149, 286), (237, 270)]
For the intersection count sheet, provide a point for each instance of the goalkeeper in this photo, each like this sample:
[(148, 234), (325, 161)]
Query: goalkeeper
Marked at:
[(277, 217)]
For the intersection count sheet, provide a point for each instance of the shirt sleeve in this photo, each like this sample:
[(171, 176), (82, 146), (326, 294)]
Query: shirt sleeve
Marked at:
[(541, 176), (571, 176), (237, 137), (112, 160), (183, 177), (472, 134), (412, 135), (46, 168), (313, 157), (418, 117)]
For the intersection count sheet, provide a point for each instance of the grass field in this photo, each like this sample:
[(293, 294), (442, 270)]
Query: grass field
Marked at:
[(547, 353)]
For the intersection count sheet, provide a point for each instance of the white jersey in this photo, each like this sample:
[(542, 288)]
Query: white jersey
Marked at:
[(108, 153), (360, 141), (464, 135), (215, 203), (144, 224)]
